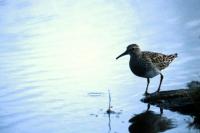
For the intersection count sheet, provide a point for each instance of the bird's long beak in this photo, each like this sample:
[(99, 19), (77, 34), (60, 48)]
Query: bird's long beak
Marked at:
[(125, 53)]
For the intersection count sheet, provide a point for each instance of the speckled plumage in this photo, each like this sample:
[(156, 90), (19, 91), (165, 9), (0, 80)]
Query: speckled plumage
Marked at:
[(147, 64), (160, 61)]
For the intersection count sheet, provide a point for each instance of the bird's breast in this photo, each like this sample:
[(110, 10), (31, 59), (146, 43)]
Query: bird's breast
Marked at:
[(142, 69), (137, 67)]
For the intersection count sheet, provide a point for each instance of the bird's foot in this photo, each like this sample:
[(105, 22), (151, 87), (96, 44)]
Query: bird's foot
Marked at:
[(157, 92), (146, 94)]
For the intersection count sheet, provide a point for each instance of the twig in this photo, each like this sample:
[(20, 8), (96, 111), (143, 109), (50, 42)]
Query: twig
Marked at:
[(109, 111)]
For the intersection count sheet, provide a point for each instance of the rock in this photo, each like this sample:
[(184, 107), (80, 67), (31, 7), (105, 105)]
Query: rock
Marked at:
[(193, 84), (186, 101)]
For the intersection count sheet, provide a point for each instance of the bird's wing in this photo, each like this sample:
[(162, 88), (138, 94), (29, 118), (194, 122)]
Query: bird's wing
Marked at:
[(161, 61)]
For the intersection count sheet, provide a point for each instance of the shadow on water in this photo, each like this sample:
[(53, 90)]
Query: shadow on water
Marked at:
[(150, 122), (183, 101), (117, 115), (109, 123)]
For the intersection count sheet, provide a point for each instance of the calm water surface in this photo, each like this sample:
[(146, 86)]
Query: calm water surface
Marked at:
[(58, 62)]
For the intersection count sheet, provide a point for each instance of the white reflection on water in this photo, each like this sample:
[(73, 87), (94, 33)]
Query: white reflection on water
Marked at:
[(54, 53)]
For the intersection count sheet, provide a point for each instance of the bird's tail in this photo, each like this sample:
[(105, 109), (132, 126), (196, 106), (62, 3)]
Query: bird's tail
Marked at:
[(175, 55), (171, 57)]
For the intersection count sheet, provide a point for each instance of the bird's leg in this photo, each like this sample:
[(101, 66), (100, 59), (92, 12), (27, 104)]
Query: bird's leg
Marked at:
[(161, 79), (148, 81), (161, 110), (148, 107)]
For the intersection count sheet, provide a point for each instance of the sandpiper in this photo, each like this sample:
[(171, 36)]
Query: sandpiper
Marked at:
[(147, 64)]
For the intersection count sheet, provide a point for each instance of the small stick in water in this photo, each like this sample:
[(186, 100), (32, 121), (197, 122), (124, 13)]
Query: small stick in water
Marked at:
[(109, 111)]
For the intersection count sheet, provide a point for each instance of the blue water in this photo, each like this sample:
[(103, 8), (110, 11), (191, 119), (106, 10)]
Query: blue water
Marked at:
[(58, 62)]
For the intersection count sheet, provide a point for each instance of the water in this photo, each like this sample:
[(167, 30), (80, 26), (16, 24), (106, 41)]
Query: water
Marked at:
[(58, 62)]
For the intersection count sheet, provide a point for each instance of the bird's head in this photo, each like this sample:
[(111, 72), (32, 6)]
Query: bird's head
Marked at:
[(131, 49)]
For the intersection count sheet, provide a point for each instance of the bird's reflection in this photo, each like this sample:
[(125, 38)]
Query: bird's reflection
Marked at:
[(150, 122), (195, 124)]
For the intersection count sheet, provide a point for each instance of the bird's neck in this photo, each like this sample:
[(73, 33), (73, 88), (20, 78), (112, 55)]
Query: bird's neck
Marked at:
[(135, 55)]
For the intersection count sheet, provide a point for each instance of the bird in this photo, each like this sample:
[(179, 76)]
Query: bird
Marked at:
[(147, 64)]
